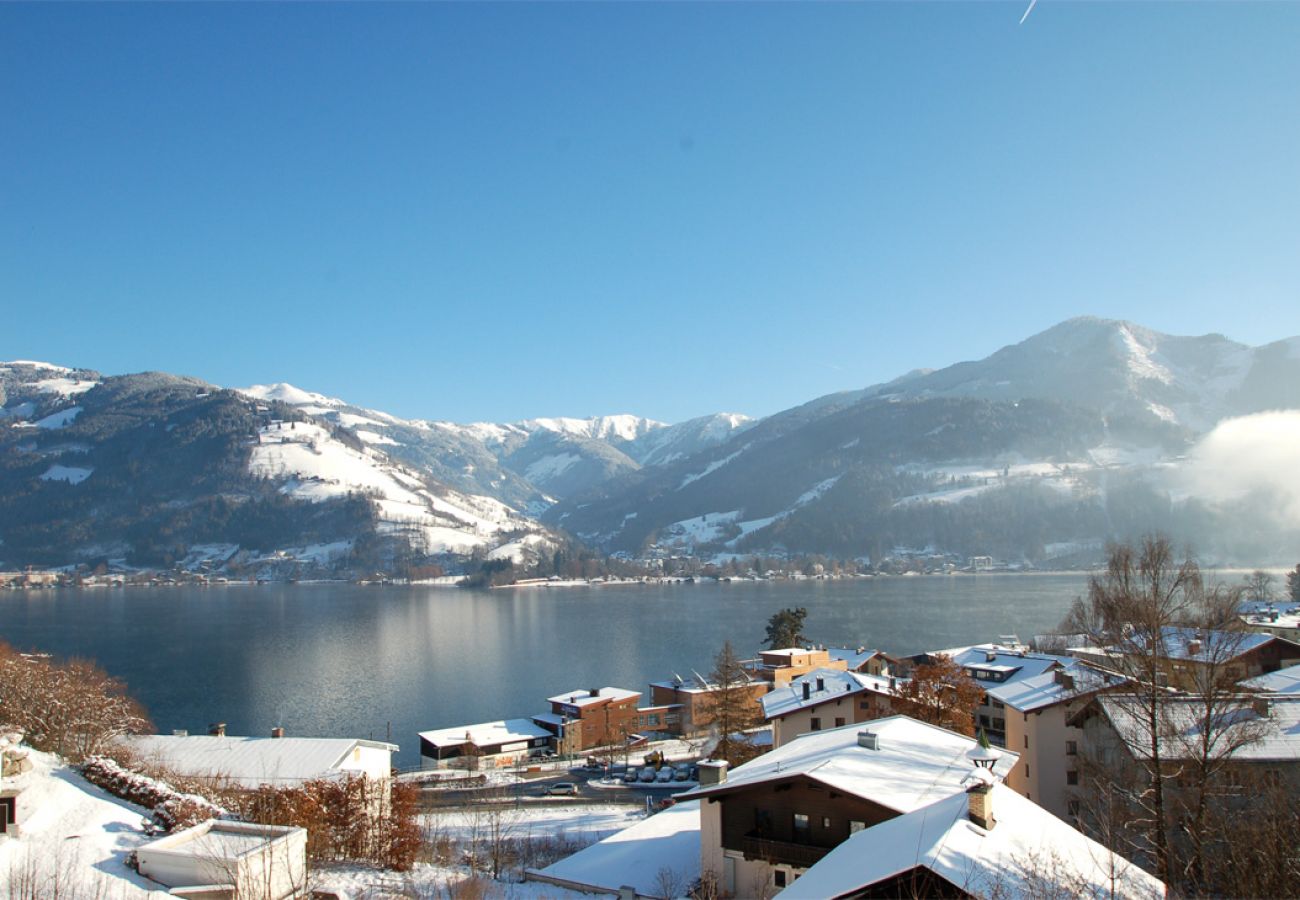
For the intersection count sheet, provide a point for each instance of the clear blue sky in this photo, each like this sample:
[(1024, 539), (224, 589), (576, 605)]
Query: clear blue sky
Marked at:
[(482, 212)]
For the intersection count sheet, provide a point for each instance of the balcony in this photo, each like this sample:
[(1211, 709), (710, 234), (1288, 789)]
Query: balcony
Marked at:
[(783, 852)]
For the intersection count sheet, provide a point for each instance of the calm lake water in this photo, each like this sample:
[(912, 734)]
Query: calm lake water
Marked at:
[(347, 660)]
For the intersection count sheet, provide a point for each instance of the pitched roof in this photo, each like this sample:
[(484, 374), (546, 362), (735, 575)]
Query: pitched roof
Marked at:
[(1283, 681), (915, 763), (1049, 688), (485, 734), (1028, 849), (992, 663), (836, 683), (853, 657), (249, 761), (1279, 738)]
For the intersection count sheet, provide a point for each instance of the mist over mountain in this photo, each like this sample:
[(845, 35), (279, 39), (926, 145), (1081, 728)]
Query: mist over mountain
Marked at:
[(1090, 431)]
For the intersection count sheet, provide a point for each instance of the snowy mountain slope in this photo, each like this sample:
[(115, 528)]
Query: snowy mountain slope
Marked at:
[(149, 469), (1123, 370), (673, 442), (1065, 439)]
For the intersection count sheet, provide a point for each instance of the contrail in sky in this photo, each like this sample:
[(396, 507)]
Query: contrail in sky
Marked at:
[(1032, 4)]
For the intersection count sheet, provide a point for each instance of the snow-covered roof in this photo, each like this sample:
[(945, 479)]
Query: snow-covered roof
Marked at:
[(550, 718), (1279, 730), (484, 734), (1002, 665), (1283, 681), (1206, 646), (1026, 851), (835, 683), (853, 657), (584, 697), (914, 763), (1050, 688), (248, 761), (636, 855)]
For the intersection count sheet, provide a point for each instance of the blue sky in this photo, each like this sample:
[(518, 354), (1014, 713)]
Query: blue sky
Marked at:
[(490, 212)]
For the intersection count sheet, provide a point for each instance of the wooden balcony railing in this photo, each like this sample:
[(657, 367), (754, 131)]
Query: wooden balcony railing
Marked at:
[(783, 852)]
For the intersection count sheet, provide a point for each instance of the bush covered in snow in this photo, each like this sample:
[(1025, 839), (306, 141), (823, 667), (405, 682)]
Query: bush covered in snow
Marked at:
[(172, 809)]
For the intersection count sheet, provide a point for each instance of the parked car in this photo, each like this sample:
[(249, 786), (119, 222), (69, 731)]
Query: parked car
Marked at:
[(664, 775), (647, 775), (563, 789)]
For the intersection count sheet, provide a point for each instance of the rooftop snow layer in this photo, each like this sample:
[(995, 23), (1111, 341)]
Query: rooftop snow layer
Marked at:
[(636, 856), (914, 765), (502, 731), (249, 761), (1026, 848)]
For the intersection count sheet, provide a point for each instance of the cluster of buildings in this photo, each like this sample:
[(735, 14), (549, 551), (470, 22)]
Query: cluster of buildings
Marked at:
[(609, 717)]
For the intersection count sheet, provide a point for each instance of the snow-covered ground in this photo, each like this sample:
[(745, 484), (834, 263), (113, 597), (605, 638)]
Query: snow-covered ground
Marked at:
[(73, 831)]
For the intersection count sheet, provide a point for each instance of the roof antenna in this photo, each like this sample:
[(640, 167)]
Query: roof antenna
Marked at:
[(1032, 4)]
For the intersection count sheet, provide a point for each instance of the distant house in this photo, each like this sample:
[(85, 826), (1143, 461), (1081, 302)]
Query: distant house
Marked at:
[(776, 817), (826, 698), (254, 761), (782, 666), (686, 704), (861, 659), (1283, 623), (595, 717), (1189, 653), (487, 745)]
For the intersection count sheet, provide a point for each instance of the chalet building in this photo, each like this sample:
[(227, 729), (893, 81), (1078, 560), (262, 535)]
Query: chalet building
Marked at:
[(487, 745), (596, 717), (1188, 653), (687, 703), (780, 667), (1283, 623), (774, 818), (826, 698), (987, 841)]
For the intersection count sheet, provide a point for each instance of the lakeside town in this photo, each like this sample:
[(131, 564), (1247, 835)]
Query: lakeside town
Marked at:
[(1081, 763)]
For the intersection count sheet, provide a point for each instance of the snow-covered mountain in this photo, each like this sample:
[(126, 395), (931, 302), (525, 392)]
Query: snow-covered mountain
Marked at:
[(1123, 369), (1062, 441)]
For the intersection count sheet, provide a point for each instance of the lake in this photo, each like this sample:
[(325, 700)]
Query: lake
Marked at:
[(355, 661)]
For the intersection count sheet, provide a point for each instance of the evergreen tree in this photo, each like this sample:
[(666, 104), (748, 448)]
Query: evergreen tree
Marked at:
[(785, 628), (731, 708)]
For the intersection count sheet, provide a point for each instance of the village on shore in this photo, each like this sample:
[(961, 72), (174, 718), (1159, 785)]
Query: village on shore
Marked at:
[(994, 770)]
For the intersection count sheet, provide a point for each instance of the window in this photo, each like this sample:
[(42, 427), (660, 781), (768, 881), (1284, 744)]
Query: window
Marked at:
[(1072, 807), (826, 821), (1026, 742), (839, 721), (816, 724), (1071, 748), (1026, 770), (998, 704), (802, 828), (779, 877), (1071, 777), (999, 724)]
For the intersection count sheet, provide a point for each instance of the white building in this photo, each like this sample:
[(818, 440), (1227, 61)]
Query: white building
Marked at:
[(254, 761), (487, 745), (220, 859)]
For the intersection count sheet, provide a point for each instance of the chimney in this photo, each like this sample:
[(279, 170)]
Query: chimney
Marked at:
[(277, 732), (1263, 707), (180, 732), (869, 739), (990, 656), (595, 692), (980, 802), (1065, 679), (807, 690), (217, 729), (712, 771), (821, 684), (1193, 646)]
